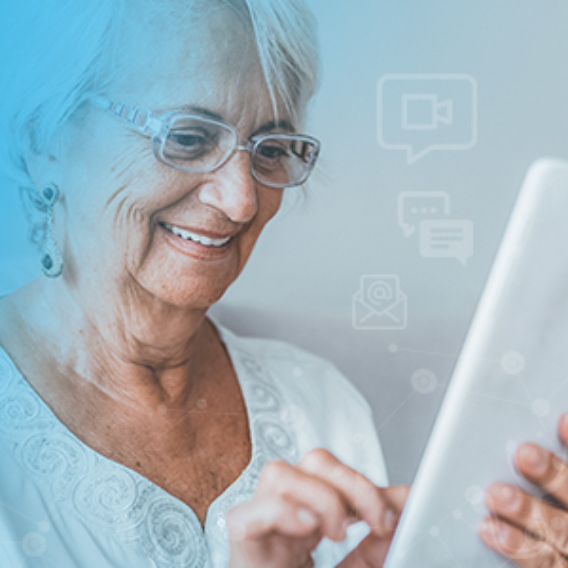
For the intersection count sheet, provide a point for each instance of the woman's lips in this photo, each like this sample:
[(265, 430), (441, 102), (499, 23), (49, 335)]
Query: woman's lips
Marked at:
[(187, 242), (203, 236)]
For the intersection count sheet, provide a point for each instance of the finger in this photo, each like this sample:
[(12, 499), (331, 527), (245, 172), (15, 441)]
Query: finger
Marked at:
[(258, 518), (378, 506), (398, 495), (563, 429), (372, 551), (512, 542), (543, 468), (281, 481), (527, 512)]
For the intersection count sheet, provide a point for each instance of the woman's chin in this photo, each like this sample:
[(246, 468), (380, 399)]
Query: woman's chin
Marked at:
[(187, 274), (184, 288)]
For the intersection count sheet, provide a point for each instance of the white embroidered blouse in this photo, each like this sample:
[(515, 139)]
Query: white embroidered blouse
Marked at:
[(63, 505)]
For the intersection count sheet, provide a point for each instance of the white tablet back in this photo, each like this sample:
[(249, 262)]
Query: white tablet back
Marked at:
[(510, 385)]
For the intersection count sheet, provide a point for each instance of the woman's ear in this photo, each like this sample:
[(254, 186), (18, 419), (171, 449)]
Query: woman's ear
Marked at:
[(43, 167)]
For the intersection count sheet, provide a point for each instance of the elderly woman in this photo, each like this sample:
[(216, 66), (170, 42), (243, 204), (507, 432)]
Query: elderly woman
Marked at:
[(156, 138)]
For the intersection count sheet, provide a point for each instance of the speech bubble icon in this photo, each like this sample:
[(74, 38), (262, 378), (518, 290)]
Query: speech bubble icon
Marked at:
[(423, 113), (452, 238), (415, 206)]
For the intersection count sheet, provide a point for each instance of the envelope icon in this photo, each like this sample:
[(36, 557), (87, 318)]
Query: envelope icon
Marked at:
[(380, 304)]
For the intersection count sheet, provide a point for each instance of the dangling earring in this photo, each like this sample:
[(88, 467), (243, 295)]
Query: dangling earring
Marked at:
[(51, 261)]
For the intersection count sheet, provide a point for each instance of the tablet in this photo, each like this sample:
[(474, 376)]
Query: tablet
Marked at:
[(510, 385)]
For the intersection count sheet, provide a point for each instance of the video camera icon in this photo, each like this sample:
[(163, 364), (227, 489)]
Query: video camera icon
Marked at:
[(423, 113)]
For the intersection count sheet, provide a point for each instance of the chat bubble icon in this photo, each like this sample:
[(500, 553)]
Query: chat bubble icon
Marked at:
[(423, 113), (416, 206), (451, 238)]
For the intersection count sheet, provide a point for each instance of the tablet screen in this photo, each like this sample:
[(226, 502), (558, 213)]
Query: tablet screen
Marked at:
[(510, 385)]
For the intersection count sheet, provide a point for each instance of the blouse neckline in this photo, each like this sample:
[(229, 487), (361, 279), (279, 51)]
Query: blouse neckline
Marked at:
[(133, 508)]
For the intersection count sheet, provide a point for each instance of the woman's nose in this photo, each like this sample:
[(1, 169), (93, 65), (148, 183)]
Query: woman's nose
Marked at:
[(232, 189)]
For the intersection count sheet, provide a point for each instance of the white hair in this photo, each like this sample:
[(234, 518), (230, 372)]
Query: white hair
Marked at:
[(62, 52)]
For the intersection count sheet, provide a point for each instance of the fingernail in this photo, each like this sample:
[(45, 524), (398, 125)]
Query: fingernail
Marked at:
[(390, 519), (306, 518), (506, 496), (535, 458), (496, 534), (486, 530), (484, 527)]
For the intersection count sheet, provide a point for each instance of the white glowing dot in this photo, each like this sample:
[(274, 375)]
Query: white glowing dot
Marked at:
[(434, 531), (34, 544), (474, 494), (540, 407), (513, 363), (393, 348), (424, 381)]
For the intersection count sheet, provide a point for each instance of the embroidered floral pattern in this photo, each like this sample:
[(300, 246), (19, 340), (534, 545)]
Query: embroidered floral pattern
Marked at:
[(173, 536), (56, 459), (103, 494), (104, 498)]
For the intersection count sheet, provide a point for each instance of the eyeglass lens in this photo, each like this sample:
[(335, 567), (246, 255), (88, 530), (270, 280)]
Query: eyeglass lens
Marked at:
[(200, 145)]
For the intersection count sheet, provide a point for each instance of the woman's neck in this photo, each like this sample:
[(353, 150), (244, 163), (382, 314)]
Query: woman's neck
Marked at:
[(143, 356)]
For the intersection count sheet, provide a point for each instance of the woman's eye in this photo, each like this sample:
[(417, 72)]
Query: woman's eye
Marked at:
[(190, 144), (189, 140), (272, 152)]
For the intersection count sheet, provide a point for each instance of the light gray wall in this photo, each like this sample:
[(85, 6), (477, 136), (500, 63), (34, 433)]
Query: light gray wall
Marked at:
[(311, 259), (516, 50)]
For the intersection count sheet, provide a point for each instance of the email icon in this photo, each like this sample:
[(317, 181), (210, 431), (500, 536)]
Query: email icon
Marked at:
[(380, 304)]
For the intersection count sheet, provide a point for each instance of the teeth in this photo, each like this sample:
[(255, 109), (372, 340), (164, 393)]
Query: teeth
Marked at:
[(188, 236)]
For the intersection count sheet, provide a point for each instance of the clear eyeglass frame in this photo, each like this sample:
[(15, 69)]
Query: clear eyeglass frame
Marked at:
[(159, 128)]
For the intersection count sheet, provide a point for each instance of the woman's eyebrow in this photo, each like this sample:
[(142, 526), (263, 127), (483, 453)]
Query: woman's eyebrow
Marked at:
[(192, 110), (280, 125), (268, 127)]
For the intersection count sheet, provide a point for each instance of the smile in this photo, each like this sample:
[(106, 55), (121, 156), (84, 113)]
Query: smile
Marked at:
[(194, 237)]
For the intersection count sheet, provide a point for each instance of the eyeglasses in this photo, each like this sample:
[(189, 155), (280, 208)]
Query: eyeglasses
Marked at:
[(193, 143)]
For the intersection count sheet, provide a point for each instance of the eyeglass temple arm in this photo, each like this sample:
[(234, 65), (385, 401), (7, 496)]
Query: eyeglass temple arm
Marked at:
[(139, 118)]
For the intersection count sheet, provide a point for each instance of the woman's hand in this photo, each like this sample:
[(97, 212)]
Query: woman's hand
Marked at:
[(532, 533), (294, 507)]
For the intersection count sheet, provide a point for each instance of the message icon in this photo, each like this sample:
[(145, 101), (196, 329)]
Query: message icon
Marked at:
[(380, 304), (451, 238), (414, 206), (423, 113)]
